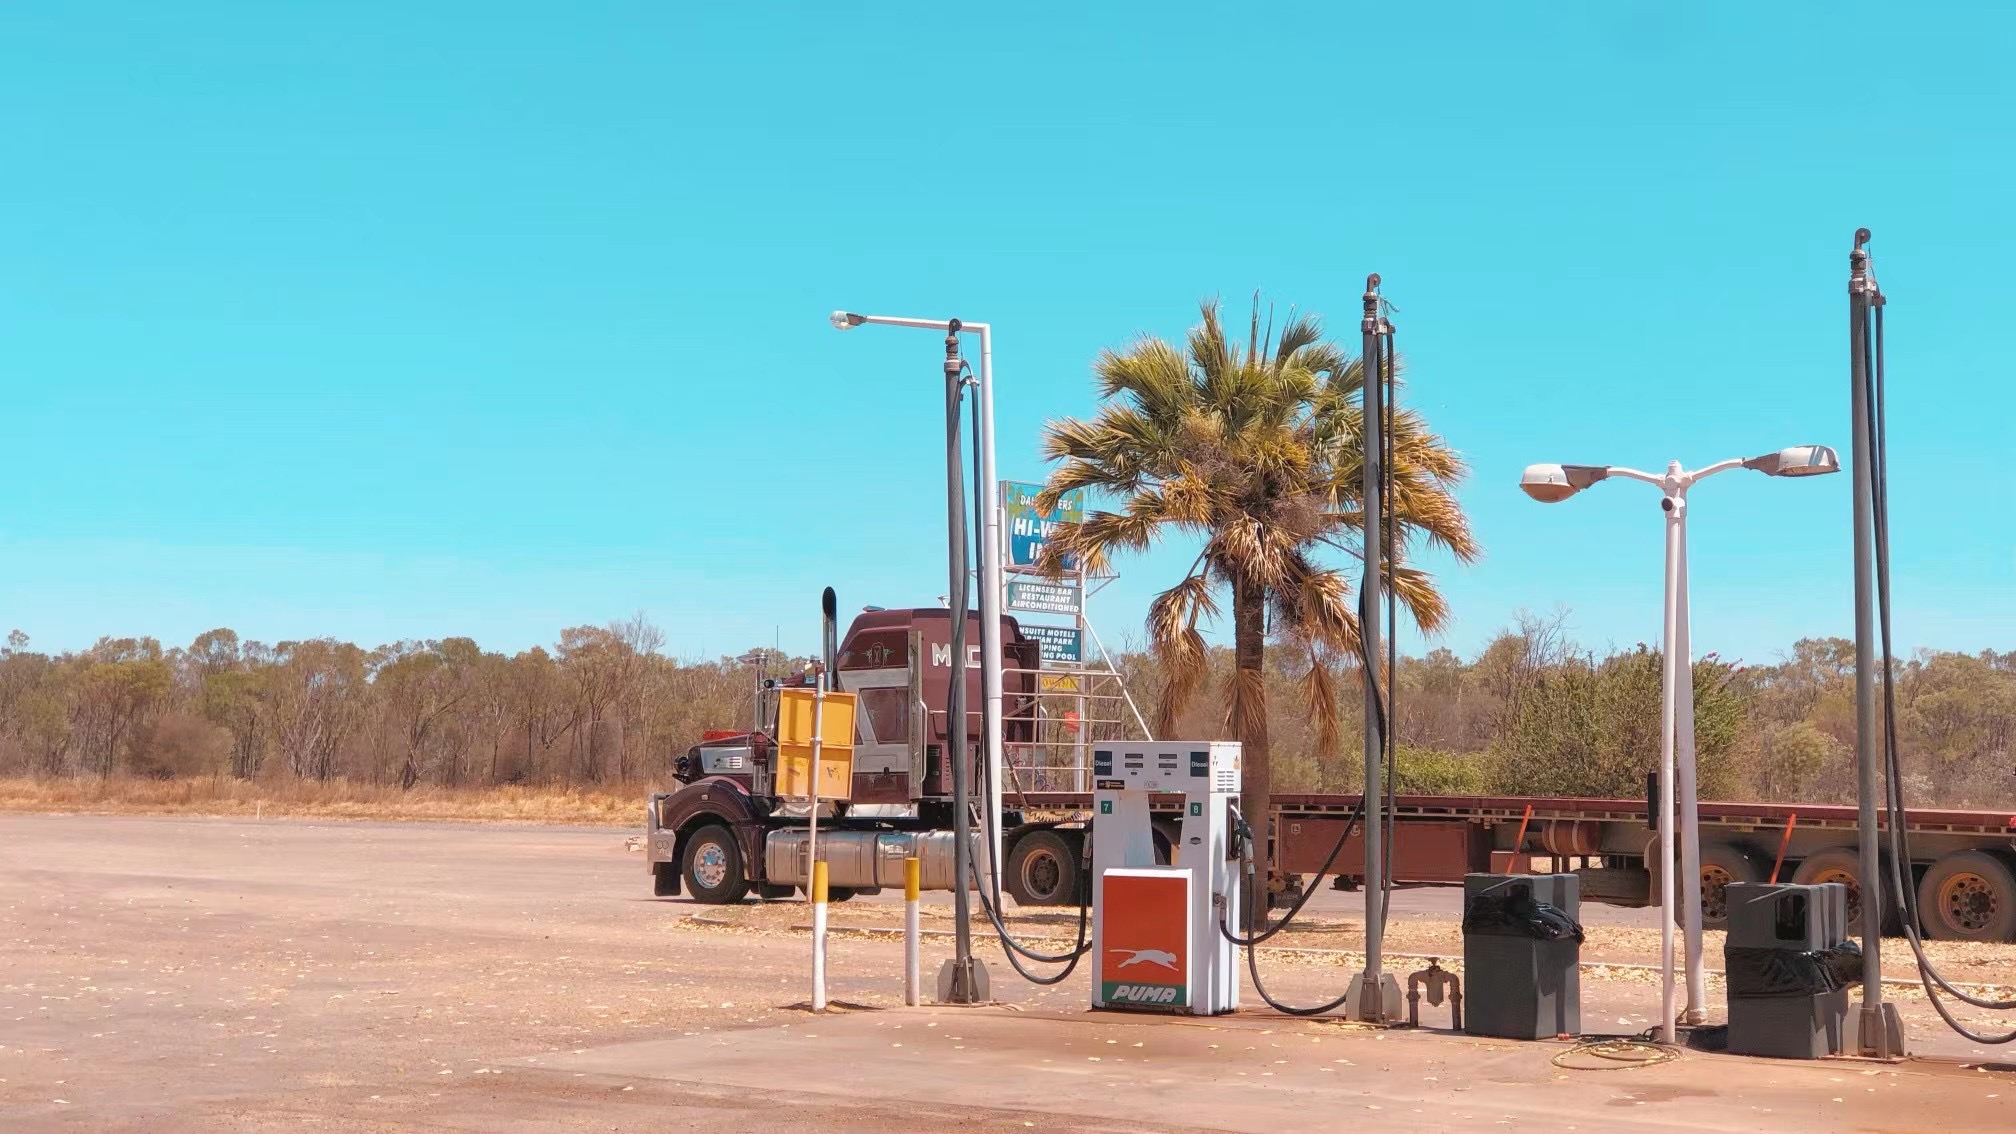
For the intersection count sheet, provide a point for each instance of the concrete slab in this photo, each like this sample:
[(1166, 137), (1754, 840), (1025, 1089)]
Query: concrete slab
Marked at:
[(1268, 1075)]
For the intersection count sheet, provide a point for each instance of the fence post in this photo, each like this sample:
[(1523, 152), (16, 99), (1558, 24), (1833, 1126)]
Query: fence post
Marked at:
[(818, 935), (912, 946)]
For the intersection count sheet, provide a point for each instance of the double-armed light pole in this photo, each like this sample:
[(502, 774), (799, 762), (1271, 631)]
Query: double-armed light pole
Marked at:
[(1552, 483), (965, 981)]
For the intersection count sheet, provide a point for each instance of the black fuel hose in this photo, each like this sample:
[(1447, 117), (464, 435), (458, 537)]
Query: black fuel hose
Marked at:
[(1875, 404), (1252, 963), (1390, 714), (1010, 945), (1245, 833), (1381, 369)]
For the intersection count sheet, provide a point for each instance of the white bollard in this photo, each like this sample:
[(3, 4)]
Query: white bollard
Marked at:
[(913, 981), (818, 937)]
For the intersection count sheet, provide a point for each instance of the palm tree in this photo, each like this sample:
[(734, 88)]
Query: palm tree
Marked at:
[(1259, 454)]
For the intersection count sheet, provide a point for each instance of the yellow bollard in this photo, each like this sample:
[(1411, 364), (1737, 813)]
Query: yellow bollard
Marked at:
[(819, 936), (912, 947)]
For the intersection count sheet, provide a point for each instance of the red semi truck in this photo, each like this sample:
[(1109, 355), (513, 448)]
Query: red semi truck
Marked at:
[(723, 834)]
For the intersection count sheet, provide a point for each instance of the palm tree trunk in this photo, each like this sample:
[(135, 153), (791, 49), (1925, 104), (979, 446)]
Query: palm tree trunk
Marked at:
[(1249, 722)]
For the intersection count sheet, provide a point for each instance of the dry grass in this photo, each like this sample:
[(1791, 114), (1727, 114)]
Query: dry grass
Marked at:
[(608, 805)]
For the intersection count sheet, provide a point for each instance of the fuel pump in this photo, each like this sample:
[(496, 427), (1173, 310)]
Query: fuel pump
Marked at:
[(1156, 942)]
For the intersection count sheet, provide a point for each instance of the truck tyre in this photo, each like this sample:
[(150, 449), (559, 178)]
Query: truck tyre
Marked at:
[(1968, 896), (712, 865), (1042, 870), (1844, 865), (1721, 864)]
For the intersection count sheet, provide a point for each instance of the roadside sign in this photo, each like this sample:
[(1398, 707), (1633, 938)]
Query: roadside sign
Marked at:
[(1028, 528), (794, 744), (1042, 596), (1060, 643)]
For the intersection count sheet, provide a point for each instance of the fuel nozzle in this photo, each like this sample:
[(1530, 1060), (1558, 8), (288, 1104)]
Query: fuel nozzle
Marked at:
[(954, 365)]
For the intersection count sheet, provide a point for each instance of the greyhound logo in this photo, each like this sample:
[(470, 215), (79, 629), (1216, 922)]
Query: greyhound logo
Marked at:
[(1147, 957)]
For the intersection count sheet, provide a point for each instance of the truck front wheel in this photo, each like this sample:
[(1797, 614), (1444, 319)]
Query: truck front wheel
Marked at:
[(712, 865)]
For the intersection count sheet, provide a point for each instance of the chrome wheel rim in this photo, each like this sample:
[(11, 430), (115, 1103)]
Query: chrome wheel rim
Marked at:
[(710, 866)]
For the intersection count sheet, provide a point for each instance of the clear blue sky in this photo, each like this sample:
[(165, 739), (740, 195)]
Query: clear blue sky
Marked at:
[(392, 320)]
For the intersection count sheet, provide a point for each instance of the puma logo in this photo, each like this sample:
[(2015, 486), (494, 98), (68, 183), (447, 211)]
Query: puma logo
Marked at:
[(1147, 957)]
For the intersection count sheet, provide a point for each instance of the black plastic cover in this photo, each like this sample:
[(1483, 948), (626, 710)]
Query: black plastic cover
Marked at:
[(1514, 913), (1792, 972)]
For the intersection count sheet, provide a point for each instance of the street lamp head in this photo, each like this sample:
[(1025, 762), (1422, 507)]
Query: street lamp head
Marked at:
[(1798, 460), (846, 320), (1550, 484)]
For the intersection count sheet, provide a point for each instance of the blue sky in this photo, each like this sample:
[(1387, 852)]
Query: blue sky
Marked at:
[(387, 321)]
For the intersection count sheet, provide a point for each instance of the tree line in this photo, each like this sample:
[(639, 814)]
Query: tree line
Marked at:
[(603, 705), (1533, 713), (1530, 713)]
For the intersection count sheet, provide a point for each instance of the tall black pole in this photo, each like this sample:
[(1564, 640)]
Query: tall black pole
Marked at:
[(1876, 1035), (957, 983), (1371, 998)]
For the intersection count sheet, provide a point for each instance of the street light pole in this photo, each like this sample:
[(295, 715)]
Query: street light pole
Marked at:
[(1669, 710), (1681, 658), (1677, 777), (990, 566), (991, 728)]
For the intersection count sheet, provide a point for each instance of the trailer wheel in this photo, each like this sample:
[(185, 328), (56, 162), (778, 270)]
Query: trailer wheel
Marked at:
[(1968, 896), (1042, 870), (1721, 864), (712, 865), (1844, 865)]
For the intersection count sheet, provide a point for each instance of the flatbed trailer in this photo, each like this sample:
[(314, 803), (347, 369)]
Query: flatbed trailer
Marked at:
[(1963, 861), (725, 832)]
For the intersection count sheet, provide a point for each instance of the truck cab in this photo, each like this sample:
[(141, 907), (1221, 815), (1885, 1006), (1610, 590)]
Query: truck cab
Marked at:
[(722, 831)]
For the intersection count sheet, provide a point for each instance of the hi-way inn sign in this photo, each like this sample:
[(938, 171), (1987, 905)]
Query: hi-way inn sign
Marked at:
[(1029, 529)]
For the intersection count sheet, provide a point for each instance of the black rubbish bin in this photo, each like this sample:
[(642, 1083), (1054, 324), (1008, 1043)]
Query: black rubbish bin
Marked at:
[(1790, 965), (1522, 952)]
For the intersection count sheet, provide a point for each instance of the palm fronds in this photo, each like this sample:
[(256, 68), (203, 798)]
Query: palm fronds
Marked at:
[(1256, 449)]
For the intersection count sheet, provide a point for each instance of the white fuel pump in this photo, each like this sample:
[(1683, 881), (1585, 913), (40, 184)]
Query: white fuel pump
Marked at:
[(1155, 938)]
